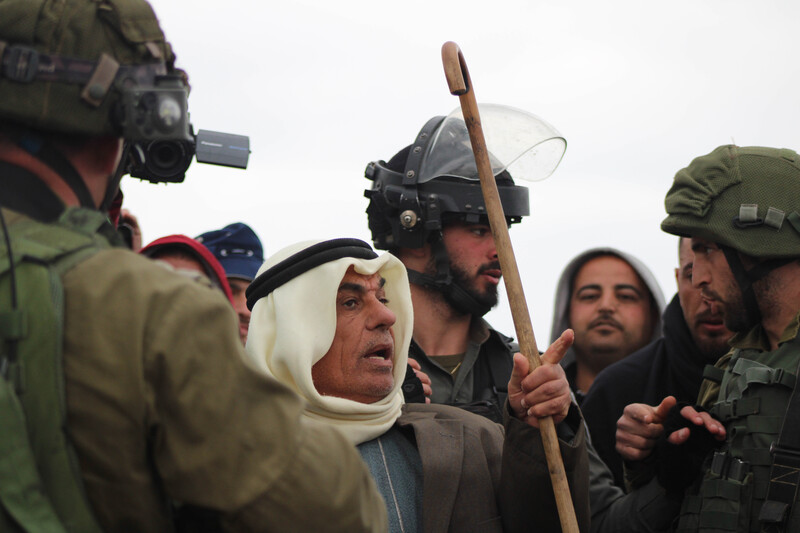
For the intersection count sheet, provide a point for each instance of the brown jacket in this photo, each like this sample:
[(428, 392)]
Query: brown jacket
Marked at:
[(476, 479), (161, 407)]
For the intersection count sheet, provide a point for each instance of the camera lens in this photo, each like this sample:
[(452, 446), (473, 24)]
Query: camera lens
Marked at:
[(166, 154), (168, 160)]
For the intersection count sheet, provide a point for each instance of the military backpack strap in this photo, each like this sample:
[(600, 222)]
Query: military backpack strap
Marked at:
[(784, 477), (21, 492), (496, 367), (41, 487)]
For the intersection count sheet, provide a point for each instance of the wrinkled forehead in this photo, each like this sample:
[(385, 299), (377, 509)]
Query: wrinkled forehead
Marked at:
[(355, 280)]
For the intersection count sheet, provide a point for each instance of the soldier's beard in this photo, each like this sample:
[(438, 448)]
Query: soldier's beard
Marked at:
[(486, 297)]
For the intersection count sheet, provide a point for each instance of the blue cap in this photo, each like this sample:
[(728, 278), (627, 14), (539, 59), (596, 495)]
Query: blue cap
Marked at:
[(237, 248)]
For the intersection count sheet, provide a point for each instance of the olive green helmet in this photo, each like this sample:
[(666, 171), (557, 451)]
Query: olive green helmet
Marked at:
[(63, 63), (744, 198)]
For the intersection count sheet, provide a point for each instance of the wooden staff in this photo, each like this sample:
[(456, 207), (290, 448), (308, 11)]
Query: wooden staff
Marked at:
[(460, 84)]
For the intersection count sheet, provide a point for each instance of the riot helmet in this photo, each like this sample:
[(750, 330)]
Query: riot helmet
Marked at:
[(744, 199), (434, 181)]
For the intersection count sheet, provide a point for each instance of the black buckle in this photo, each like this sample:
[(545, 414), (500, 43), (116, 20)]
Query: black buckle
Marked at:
[(21, 64)]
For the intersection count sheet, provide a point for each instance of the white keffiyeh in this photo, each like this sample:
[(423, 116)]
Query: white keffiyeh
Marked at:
[(293, 327)]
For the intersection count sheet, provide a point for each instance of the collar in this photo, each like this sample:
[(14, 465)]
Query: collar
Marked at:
[(478, 330), (23, 191), (756, 338)]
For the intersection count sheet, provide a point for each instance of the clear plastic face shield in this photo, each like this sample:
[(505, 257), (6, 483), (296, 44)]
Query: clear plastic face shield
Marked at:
[(521, 143)]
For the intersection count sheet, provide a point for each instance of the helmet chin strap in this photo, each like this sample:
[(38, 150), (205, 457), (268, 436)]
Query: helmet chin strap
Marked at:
[(114, 180), (745, 279), (443, 282), (45, 152)]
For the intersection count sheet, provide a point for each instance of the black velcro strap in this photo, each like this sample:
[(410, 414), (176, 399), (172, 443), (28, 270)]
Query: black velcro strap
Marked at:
[(24, 64), (302, 262), (713, 373)]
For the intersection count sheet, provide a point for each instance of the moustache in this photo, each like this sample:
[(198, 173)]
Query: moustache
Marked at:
[(713, 313), (710, 296), (494, 265), (605, 320), (383, 340)]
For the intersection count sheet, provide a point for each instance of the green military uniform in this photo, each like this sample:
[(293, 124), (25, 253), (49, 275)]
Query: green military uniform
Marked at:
[(744, 200), (161, 408), (750, 400), (160, 412)]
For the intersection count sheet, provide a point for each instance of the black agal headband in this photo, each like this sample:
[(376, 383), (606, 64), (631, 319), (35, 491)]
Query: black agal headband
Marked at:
[(302, 262)]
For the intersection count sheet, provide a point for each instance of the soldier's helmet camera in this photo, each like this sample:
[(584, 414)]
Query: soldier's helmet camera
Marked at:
[(160, 140), (145, 103)]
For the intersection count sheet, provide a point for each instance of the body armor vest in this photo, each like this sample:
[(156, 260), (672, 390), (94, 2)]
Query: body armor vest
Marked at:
[(754, 393)]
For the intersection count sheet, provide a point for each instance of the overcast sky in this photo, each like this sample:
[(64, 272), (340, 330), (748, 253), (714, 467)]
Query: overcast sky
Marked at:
[(322, 88)]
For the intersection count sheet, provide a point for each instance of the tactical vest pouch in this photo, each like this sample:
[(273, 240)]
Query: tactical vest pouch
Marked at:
[(738, 492), (719, 506)]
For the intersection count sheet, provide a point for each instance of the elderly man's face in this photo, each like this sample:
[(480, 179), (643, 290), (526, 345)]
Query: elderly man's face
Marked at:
[(358, 366)]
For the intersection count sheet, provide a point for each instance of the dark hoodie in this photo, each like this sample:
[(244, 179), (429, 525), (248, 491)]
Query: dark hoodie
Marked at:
[(563, 295), (671, 365)]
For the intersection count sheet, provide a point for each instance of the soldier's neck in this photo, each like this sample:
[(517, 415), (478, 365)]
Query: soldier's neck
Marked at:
[(438, 328), (780, 303)]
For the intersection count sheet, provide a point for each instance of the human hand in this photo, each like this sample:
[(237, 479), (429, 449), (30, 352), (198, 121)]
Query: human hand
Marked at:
[(129, 219), (423, 377), (544, 391), (639, 428), (703, 419)]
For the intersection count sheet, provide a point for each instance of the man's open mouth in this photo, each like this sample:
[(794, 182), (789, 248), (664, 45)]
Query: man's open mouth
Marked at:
[(383, 352)]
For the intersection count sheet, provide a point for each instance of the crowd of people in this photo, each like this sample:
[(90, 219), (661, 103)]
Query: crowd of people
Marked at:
[(199, 384)]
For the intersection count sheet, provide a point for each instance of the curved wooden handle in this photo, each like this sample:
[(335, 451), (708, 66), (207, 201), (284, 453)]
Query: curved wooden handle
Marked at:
[(460, 84), (455, 69)]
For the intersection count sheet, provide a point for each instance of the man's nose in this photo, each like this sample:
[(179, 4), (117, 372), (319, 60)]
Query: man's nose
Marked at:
[(713, 306), (493, 251), (700, 274), (382, 317), (608, 302)]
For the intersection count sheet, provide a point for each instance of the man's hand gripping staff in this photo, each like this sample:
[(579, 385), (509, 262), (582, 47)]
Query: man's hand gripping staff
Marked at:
[(460, 84)]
